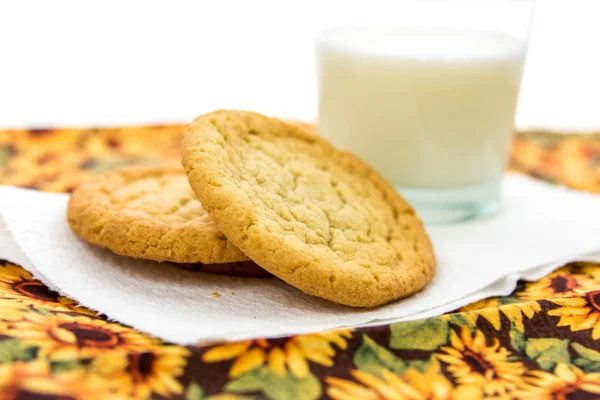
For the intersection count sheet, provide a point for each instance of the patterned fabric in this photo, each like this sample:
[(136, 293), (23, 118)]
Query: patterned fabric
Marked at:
[(540, 342)]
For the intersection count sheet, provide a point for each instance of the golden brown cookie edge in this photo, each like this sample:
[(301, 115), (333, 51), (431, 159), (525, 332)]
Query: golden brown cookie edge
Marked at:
[(242, 213)]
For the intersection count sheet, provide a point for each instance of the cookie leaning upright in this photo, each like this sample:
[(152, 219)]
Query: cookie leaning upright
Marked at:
[(314, 216), (149, 213)]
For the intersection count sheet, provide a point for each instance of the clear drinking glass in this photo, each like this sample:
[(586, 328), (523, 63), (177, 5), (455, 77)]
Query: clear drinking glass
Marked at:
[(430, 101)]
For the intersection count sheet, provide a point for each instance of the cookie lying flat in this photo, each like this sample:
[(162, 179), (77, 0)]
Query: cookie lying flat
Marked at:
[(149, 213), (314, 216)]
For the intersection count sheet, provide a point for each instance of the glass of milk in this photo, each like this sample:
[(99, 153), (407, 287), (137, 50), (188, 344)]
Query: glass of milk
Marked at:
[(429, 101)]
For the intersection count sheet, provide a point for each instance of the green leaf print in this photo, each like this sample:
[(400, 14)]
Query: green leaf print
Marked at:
[(589, 360), (249, 382), (548, 352), (41, 310), (275, 386), (14, 349), (371, 357), (460, 320), (517, 339), (420, 365), (4, 156), (426, 334), (194, 391), (59, 367), (509, 300)]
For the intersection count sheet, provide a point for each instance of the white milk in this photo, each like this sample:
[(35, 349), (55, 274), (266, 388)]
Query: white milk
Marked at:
[(427, 108)]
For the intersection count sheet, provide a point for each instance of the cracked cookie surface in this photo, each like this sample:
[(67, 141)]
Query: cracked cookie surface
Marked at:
[(149, 213), (314, 216)]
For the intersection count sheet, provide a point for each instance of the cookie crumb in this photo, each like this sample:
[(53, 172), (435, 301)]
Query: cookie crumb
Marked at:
[(216, 295), (233, 293)]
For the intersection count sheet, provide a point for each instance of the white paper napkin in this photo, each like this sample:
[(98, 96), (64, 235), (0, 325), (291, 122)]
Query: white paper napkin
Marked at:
[(539, 228)]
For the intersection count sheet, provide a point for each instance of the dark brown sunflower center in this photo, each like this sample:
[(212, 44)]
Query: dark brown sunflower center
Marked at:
[(36, 290), (141, 365), (113, 143), (27, 395), (568, 392), (476, 363), (562, 284), (594, 299), (40, 132), (46, 158), (277, 343), (91, 336)]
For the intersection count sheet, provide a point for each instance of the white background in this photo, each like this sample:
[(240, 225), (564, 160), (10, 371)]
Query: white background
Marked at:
[(112, 62)]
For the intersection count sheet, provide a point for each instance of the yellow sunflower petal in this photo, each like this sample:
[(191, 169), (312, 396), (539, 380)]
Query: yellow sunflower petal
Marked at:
[(335, 393), (12, 273), (529, 308), (339, 337), (377, 384), (569, 311), (63, 335), (247, 362), (44, 385), (226, 351), (448, 359), (311, 343), (495, 348), (38, 367), (593, 377), (26, 334), (452, 352), (166, 384), (596, 332), (69, 318), (295, 360), (169, 362), (224, 396), (341, 389), (315, 349), (478, 341), (574, 302), (339, 341), (456, 342), (492, 316), (142, 392), (110, 364), (566, 373), (400, 385), (348, 386), (465, 336), (277, 361), (69, 353), (175, 350), (347, 333), (319, 358), (588, 323), (592, 387)]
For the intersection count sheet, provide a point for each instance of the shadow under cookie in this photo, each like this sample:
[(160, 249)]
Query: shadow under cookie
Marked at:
[(242, 269)]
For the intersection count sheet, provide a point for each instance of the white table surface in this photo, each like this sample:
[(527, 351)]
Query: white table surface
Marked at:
[(113, 62)]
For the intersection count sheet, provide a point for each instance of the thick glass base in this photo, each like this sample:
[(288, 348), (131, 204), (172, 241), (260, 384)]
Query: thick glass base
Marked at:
[(447, 205)]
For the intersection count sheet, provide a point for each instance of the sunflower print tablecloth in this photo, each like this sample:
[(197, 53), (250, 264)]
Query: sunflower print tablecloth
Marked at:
[(541, 342)]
